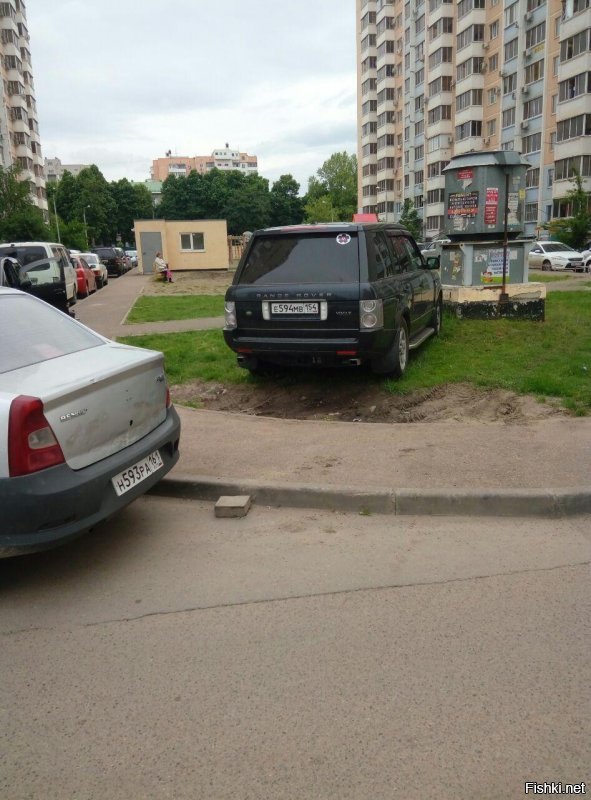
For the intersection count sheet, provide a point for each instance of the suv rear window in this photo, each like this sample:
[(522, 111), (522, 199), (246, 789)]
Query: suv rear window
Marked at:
[(32, 332), (303, 258), (105, 252), (25, 255)]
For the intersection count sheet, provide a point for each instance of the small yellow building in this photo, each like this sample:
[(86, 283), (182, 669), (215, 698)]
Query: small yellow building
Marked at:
[(193, 244)]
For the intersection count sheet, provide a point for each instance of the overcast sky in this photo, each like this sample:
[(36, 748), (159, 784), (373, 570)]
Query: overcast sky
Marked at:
[(120, 82)]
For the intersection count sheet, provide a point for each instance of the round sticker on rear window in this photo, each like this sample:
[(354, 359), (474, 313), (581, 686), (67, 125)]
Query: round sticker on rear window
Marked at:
[(343, 238)]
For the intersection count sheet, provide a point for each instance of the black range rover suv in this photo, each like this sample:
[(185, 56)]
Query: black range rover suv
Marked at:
[(334, 294)]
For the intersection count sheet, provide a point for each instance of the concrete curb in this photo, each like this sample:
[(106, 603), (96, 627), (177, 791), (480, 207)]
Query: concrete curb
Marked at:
[(430, 502)]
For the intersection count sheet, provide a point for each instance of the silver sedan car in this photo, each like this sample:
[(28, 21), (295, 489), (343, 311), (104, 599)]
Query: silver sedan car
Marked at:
[(86, 425)]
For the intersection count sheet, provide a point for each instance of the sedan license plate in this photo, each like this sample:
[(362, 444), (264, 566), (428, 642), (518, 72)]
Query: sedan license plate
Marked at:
[(294, 308), (131, 476)]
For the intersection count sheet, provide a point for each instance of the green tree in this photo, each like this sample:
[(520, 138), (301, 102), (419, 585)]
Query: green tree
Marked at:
[(132, 201), (320, 210), (337, 178), (20, 219), (95, 203), (287, 207), (250, 206), (574, 230), (411, 220)]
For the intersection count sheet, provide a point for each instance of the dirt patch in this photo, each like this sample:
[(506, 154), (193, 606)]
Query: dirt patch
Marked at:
[(367, 403), (203, 282)]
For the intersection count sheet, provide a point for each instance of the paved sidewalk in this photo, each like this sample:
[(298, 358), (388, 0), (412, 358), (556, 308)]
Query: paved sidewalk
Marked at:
[(451, 467), (106, 310)]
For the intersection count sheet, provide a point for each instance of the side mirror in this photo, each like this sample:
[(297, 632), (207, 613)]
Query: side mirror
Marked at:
[(432, 262)]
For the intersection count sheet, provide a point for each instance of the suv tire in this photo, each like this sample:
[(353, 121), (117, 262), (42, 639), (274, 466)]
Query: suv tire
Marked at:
[(395, 361)]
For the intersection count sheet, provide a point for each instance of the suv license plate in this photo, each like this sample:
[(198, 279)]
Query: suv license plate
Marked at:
[(294, 308), (141, 470)]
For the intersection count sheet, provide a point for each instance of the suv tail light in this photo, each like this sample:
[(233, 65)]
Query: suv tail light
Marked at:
[(230, 321), (32, 445), (371, 314)]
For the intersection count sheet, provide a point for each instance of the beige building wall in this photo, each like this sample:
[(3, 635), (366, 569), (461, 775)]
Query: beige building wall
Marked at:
[(177, 234)]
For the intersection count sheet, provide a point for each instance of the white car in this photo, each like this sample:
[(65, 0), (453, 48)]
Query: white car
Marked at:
[(554, 256), (27, 252), (86, 425), (101, 273), (434, 247), (586, 255)]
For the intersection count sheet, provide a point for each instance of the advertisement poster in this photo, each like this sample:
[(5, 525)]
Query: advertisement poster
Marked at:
[(491, 205), (462, 204), (465, 174), (493, 272)]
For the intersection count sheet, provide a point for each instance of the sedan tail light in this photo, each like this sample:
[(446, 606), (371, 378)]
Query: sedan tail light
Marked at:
[(32, 445)]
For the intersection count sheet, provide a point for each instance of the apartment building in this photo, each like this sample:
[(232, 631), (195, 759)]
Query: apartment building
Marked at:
[(438, 78), (54, 169), (223, 158), (19, 129)]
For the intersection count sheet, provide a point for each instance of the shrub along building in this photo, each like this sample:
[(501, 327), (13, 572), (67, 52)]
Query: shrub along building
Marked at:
[(438, 79)]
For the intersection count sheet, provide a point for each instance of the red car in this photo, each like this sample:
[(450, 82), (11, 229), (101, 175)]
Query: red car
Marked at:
[(85, 278)]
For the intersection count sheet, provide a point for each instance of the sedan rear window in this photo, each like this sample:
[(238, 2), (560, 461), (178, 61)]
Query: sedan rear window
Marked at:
[(31, 332), (302, 258)]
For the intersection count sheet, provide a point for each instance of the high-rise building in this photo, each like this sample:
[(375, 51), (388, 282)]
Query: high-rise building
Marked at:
[(224, 158), (19, 129), (438, 78)]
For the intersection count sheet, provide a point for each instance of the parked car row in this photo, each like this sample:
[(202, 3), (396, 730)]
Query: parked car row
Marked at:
[(57, 275)]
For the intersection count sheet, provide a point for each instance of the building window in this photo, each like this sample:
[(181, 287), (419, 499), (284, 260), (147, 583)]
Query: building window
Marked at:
[(535, 35), (511, 49), (511, 14), (508, 117), (510, 83), (573, 87), (534, 72), (533, 108), (493, 30), (531, 144), (192, 242), (493, 62), (531, 212), (491, 127), (550, 178), (532, 178), (574, 127)]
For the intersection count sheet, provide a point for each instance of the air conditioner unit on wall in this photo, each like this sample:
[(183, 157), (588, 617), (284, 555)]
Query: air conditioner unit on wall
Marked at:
[(528, 16), (524, 125), (525, 90), (487, 140), (485, 45)]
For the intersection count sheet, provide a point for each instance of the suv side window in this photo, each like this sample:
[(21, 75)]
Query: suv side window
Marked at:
[(400, 252), (379, 255)]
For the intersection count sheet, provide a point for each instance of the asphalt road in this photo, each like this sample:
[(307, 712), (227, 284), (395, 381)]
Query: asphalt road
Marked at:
[(296, 654)]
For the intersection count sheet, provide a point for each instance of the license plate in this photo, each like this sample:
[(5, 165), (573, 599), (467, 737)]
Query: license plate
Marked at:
[(294, 308), (131, 476)]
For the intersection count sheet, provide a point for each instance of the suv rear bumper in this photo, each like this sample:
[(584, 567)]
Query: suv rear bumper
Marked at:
[(50, 507), (347, 348)]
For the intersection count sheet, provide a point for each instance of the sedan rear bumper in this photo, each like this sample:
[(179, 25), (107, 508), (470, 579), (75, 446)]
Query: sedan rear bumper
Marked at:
[(50, 507)]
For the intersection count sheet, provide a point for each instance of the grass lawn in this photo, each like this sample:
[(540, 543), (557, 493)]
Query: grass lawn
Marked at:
[(544, 277), (547, 359), (162, 309)]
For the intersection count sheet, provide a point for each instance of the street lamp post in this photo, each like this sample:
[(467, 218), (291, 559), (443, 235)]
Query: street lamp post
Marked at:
[(85, 225), (57, 224)]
